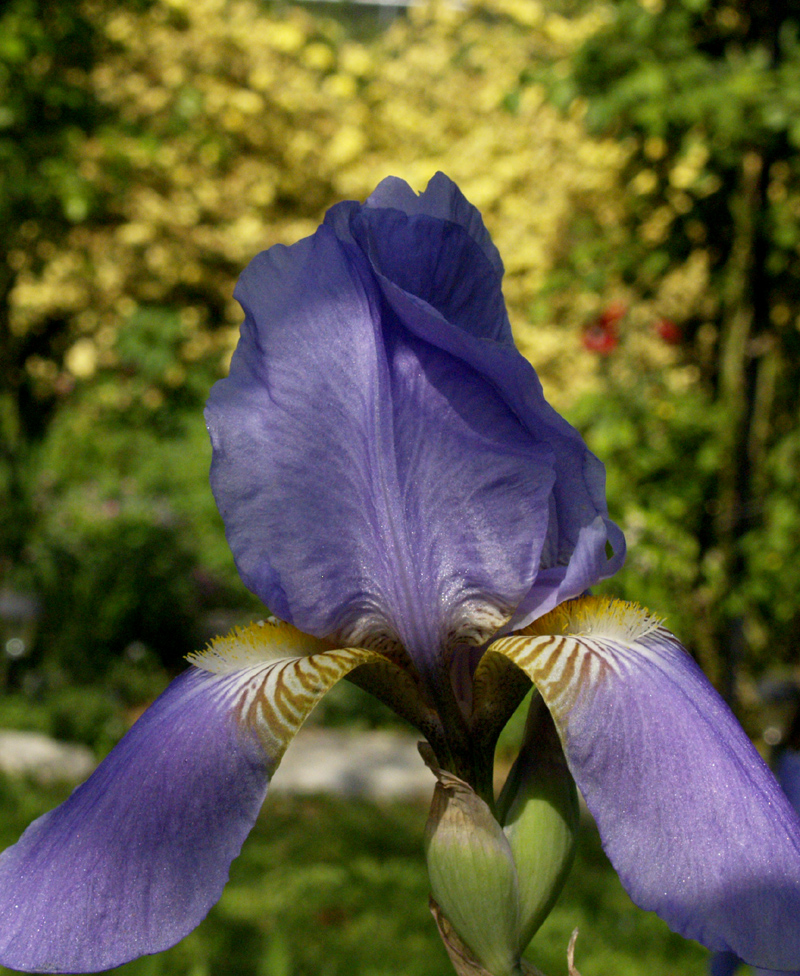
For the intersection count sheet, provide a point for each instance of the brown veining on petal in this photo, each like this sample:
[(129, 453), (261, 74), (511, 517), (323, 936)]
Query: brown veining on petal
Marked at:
[(562, 668), (475, 621), (577, 646), (376, 635), (273, 698), (498, 688)]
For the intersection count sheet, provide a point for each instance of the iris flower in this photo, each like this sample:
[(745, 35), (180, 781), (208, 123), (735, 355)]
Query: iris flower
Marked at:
[(399, 494)]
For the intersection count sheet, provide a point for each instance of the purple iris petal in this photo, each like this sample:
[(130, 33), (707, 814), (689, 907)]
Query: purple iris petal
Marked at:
[(690, 815), (728, 963), (441, 199), (450, 296), (450, 273), (135, 858), (723, 964), (368, 479), (787, 772), (384, 459), (566, 579)]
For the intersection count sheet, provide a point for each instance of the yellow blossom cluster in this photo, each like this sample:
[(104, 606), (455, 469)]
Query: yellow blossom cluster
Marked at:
[(236, 125)]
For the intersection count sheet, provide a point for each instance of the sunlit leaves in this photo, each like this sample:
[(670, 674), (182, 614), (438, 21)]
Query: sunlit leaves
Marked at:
[(234, 126)]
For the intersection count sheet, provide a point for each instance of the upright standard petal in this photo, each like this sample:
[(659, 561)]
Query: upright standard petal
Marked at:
[(135, 858), (441, 199), (689, 814), (372, 484), (449, 295), (432, 259)]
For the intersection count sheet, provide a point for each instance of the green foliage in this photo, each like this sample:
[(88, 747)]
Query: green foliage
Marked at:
[(707, 91), (46, 51), (658, 444), (103, 582), (704, 95), (92, 716), (47, 111), (134, 552), (85, 715), (126, 546), (347, 704)]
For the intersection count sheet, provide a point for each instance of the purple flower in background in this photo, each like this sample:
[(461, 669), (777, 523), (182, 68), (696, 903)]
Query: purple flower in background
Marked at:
[(396, 489)]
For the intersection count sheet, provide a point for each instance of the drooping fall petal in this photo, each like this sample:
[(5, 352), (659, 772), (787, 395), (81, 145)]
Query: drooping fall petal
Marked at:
[(690, 816), (136, 857)]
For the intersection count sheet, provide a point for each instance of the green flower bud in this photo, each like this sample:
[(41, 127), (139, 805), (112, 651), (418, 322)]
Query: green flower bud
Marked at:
[(539, 811), (472, 874)]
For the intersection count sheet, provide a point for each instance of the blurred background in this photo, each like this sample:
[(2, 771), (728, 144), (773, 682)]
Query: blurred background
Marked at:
[(636, 163)]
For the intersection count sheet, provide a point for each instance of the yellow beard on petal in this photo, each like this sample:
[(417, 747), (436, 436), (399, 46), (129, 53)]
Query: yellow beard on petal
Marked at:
[(263, 641), (272, 675), (596, 616)]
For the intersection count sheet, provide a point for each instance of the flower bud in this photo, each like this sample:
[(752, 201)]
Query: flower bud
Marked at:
[(472, 874), (539, 811)]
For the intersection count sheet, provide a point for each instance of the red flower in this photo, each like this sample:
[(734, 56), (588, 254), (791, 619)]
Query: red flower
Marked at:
[(613, 313), (669, 332), (601, 336)]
